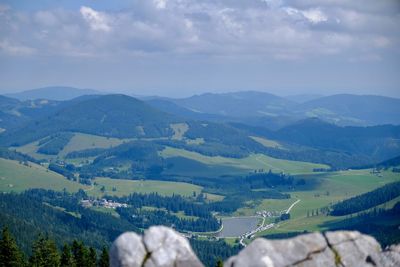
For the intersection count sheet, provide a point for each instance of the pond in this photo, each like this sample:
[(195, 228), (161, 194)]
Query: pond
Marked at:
[(234, 227)]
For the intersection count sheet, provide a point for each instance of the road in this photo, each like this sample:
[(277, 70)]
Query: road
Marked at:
[(262, 227), (291, 206)]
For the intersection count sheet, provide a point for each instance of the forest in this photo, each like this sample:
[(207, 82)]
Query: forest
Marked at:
[(367, 200), (44, 252)]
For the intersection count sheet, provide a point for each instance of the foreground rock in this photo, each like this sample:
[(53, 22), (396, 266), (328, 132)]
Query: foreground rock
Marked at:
[(163, 247), (159, 247)]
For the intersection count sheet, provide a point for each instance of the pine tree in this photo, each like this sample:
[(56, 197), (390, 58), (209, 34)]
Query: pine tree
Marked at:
[(44, 253), (67, 260), (104, 258), (91, 258), (10, 254), (80, 253)]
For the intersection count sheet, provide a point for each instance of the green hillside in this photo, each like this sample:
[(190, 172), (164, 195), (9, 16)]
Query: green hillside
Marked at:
[(17, 177), (323, 190), (247, 164), (111, 116)]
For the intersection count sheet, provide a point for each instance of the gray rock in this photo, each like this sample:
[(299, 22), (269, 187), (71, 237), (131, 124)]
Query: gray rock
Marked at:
[(324, 258), (164, 247), (127, 251), (263, 252), (354, 249), (168, 248)]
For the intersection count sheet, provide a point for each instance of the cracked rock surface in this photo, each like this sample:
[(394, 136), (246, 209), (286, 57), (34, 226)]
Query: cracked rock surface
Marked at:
[(159, 247), (163, 247)]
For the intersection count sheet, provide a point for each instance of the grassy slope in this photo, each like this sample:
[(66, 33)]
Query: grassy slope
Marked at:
[(340, 185), (79, 141), (17, 177), (31, 150), (125, 187), (87, 141), (245, 165), (267, 142)]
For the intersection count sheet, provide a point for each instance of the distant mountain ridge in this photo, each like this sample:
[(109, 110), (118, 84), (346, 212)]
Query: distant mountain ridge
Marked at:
[(347, 109), (59, 93), (237, 104), (271, 111)]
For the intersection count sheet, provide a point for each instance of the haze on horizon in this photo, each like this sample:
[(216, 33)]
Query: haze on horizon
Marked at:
[(184, 47)]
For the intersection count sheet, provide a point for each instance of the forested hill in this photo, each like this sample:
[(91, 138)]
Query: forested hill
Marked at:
[(377, 141), (237, 104), (111, 115)]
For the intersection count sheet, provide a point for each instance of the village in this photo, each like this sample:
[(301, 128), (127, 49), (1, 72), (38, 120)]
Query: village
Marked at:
[(109, 204)]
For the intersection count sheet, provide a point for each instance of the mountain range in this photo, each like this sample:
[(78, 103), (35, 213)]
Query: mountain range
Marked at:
[(59, 93), (180, 122)]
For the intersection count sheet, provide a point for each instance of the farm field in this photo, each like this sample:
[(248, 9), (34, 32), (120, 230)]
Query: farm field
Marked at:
[(81, 141), (332, 187), (247, 164), (16, 177), (267, 143), (126, 187), (31, 150)]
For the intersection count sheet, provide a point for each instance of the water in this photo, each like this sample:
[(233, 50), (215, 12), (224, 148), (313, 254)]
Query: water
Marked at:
[(234, 227)]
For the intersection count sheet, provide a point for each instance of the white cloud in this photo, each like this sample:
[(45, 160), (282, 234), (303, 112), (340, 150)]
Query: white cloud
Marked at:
[(160, 4), (253, 28), (315, 15), (97, 21)]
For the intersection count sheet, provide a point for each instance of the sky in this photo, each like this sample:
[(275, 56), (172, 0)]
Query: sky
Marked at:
[(184, 47)]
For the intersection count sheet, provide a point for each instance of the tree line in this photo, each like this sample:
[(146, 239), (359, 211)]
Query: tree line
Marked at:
[(366, 200), (44, 253)]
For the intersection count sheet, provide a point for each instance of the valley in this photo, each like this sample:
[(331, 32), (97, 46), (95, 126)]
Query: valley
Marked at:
[(209, 180)]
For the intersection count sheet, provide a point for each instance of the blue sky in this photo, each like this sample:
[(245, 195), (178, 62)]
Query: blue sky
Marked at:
[(183, 47)]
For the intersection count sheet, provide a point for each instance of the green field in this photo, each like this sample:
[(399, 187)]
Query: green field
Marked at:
[(126, 187), (31, 150), (267, 142), (16, 177), (82, 141), (244, 165), (79, 141), (324, 190)]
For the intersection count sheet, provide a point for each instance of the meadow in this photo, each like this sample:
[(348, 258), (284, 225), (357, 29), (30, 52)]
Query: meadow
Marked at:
[(324, 190), (244, 165), (126, 187), (17, 177)]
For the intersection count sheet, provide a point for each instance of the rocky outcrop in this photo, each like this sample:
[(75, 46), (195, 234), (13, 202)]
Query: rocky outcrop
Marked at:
[(163, 247), (159, 247)]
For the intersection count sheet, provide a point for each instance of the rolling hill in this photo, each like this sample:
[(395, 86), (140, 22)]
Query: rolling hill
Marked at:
[(346, 109), (377, 142), (110, 115), (59, 93), (239, 104), (249, 107)]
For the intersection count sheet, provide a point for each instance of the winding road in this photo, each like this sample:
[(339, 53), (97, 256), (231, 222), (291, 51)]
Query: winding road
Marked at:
[(291, 206)]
